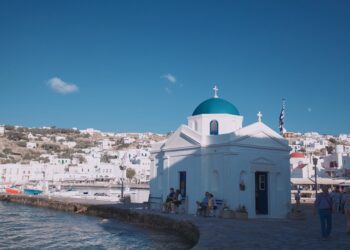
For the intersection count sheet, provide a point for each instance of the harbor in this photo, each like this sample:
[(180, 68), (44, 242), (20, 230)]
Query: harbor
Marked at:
[(208, 232), (28, 227)]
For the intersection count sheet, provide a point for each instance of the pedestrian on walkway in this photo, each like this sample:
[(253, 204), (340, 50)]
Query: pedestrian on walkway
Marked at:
[(323, 204), (336, 199), (346, 202), (297, 198)]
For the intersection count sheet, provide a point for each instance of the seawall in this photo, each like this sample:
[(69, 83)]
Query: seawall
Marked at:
[(184, 228)]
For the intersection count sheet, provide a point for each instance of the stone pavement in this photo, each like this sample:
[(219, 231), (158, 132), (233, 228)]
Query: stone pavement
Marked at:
[(216, 233)]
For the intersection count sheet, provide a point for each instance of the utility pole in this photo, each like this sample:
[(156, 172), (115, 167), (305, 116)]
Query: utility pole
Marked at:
[(315, 164)]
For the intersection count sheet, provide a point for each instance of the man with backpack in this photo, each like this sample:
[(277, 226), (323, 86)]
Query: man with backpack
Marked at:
[(323, 204)]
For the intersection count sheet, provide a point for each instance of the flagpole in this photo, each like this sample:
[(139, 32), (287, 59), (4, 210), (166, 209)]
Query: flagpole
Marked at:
[(282, 115)]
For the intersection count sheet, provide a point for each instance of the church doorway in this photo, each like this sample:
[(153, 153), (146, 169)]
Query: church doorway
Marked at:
[(261, 194), (182, 178)]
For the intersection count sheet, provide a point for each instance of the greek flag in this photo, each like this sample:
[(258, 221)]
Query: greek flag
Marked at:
[(282, 114)]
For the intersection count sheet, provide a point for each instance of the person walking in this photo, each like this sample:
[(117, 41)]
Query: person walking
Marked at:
[(323, 204), (297, 198), (346, 203), (336, 198)]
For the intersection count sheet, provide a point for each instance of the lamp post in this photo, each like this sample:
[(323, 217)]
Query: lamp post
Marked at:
[(315, 163), (122, 168)]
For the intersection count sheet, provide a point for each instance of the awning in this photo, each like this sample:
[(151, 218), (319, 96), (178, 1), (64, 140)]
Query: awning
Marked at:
[(320, 181)]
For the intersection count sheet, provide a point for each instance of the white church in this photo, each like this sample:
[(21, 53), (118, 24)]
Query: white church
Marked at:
[(241, 165)]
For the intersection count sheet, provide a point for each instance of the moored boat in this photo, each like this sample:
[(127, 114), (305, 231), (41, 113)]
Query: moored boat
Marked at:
[(12, 190), (31, 191)]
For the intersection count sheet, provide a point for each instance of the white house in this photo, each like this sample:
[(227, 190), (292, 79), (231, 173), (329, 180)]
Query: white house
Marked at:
[(243, 165), (299, 166), (90, 131), (60, 138), (31, 136), (55, 160), (21, 173), (31, 145), (128, 140), (338, 163), (106, 144), (69, 144), (2, 130)]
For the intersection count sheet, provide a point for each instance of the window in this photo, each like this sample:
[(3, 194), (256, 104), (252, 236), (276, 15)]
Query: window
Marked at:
[(214, 127)]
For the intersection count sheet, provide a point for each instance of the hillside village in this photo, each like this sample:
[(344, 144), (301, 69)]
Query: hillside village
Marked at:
[(332, 154), (56, 154)]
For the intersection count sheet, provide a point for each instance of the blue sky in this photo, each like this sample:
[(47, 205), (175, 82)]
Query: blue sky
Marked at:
[(146, 65)]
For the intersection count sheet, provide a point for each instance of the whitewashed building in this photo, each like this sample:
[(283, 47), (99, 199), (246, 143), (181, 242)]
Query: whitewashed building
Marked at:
[(338, 163), (90, 131), (32, 137), (106, 144), (242, 165), (21, 173), (31, 145), (299, 166), (69, 144), (128, 140), (2, 130)]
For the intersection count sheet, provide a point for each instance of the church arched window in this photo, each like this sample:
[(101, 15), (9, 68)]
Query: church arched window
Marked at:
[(214, 127)]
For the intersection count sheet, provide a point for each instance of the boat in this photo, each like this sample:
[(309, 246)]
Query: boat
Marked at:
[(13, 190), (32, 191)]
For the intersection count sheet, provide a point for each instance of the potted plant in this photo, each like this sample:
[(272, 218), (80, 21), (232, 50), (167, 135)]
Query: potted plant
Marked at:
[(241, 212), (227, 213)]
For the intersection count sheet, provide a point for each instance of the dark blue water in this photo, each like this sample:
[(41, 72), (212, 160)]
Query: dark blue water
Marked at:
[(25, 227)]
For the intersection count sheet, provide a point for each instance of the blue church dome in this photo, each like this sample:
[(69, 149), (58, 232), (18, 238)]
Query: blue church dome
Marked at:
[(215, 106)]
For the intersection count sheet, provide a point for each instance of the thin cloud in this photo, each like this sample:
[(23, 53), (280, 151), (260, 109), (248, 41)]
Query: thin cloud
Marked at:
[(309, 109), (168, 90), (62, 87), (171, 78)]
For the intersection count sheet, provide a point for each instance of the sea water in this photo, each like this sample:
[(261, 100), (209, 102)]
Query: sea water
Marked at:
[(26, 227)]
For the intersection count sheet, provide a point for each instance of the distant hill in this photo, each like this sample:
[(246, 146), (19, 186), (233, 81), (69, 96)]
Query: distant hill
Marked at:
[(21, 144)]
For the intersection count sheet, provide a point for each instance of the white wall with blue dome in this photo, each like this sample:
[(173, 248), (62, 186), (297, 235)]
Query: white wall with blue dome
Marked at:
[(214, 152), (218, 110)]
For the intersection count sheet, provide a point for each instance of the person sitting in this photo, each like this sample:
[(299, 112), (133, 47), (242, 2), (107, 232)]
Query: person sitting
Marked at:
[(169, 200), (211, 205), (176, 201), (203, 205)]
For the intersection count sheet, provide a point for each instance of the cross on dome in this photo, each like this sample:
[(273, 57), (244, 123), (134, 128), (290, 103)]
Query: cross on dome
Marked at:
[(216, 90), (259, 116)]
